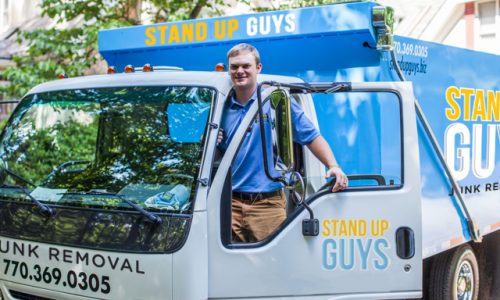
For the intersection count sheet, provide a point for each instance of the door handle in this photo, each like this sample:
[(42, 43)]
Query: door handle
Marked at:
[(405, 242)]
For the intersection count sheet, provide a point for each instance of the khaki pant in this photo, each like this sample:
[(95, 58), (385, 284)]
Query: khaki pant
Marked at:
[(253, 221)]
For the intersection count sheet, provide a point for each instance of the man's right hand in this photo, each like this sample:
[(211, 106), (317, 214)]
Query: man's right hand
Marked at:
[(342, 181)]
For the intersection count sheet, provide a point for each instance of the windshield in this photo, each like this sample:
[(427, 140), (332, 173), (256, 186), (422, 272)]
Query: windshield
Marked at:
[(91, 147)]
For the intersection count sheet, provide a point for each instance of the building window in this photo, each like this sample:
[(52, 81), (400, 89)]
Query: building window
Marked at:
[(4, 14), (487, 14)]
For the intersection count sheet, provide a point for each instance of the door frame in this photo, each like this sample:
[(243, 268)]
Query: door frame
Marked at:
[(220, 253)]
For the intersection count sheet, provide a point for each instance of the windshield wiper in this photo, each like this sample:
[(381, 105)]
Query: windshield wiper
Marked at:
[(44, 208), (17, 176), (153, 218)]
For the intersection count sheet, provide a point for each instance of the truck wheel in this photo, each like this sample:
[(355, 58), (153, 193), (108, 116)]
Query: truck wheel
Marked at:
[(455, 275)]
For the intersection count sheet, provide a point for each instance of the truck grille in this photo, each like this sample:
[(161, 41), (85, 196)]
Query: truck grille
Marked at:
[(24, 296)]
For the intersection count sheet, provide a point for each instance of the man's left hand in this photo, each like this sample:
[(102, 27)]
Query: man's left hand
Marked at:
[(341, 178)]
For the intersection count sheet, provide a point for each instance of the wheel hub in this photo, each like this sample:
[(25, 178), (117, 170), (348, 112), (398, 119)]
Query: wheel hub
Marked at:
[(465, 281)]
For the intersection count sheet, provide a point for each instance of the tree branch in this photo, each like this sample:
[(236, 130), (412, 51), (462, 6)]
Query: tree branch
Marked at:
[(197, 9)]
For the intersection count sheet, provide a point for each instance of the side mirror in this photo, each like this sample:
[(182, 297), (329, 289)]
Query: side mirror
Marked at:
[(296, 188), (186, 121), (282, 145), (282, 133)]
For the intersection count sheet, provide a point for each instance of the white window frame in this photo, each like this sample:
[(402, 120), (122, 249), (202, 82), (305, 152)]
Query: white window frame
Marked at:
[(489, 29), (481, 42)]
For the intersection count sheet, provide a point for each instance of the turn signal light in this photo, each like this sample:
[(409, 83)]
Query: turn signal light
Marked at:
[(129, 69), (62, 76), (220, 67), (111, 70), (147, 68)]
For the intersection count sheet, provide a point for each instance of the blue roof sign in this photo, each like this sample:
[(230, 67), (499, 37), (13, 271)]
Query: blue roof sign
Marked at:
[(290, 42), (306, 21)]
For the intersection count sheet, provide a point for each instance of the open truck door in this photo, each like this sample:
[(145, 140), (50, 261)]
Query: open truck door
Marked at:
[(362, 242)]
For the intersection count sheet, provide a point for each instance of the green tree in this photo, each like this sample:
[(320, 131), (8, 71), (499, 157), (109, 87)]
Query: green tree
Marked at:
[(73, 50), (290, 4)]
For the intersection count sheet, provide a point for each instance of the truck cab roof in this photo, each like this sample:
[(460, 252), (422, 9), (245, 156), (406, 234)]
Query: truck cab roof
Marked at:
[(219, 80)]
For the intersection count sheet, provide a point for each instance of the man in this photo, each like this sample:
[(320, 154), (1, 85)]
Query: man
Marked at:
[(258, 204)]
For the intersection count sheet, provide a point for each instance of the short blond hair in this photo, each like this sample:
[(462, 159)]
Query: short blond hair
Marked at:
[(244, 47)]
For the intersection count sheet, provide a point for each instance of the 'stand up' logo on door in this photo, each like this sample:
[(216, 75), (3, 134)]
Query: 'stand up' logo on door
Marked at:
[(355, 244)]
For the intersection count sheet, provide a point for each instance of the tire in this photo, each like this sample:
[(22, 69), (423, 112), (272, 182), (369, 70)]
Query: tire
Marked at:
[(455, 275), (489, 266)]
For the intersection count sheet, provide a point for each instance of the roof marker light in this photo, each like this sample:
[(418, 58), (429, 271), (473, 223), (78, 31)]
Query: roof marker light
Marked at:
[(62, 76), (147, 68), (129, 69), (383, 24), (220, 67), (111, 70)]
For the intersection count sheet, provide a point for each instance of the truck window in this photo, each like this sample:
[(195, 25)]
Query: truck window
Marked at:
[(364, 131), (362, 128), (141, 143)]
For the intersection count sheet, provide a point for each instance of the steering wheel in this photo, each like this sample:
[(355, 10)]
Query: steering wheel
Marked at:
[(173, 177), (61, 169), (295, 180)]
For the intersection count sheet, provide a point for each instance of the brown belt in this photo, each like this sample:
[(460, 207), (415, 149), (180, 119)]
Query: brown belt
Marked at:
[(255, 196)]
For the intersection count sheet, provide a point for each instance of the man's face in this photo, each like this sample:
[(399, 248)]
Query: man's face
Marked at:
[(243, 71)]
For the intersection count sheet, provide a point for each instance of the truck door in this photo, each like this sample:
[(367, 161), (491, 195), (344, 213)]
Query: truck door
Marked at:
[(369, 236)]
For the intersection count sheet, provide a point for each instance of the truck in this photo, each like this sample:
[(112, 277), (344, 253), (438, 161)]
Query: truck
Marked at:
[(112, 187)]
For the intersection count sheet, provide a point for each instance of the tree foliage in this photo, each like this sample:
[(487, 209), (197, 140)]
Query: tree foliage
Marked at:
[(72, 48), (290, 4)]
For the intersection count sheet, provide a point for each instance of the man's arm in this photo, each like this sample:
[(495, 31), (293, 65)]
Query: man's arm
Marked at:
[(320, 148)]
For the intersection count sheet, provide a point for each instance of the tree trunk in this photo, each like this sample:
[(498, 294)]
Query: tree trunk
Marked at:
[(197, 9)]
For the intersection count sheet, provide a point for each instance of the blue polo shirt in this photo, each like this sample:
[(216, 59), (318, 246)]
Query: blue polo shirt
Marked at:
[(248, 174)]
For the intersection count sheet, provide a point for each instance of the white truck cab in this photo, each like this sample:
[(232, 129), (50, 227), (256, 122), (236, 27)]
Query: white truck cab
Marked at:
[(166, 246)]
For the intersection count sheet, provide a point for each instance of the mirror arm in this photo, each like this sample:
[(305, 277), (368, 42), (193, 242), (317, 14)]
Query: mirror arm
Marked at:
[(304, 87), (263, 138), (310, 227)]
